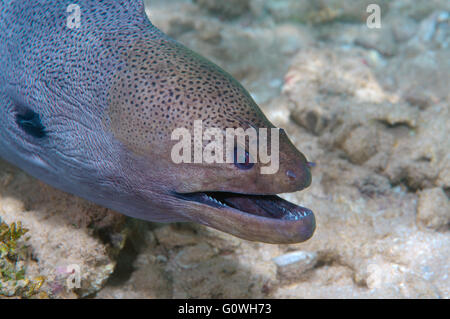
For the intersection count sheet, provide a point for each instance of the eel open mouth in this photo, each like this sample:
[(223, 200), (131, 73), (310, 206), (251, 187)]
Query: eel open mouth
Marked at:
[(270, 206), (265, 218)]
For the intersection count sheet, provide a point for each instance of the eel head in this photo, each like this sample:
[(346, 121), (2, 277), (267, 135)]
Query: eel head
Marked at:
[(164, 86)]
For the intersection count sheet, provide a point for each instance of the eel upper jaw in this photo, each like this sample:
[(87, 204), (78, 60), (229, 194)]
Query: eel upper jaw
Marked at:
[(265, 218)]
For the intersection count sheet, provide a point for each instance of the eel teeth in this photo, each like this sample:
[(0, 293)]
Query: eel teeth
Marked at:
[(215, 201), (296, 215)]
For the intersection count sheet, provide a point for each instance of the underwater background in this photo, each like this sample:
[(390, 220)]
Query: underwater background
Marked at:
[(368, 103)]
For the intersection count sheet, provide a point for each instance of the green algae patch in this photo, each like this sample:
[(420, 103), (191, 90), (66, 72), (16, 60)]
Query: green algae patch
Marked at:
[(13, 254)]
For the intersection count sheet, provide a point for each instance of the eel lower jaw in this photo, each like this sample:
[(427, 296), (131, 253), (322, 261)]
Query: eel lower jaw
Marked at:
[(266, 218)]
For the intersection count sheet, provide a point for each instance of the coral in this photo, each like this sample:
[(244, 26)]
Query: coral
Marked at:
[(13, 253)]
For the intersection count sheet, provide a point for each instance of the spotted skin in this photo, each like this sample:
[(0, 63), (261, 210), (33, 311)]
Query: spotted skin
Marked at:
[(90, 110), (164, 85)]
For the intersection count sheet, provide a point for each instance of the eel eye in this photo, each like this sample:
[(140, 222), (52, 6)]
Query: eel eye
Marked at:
[(242, 159)]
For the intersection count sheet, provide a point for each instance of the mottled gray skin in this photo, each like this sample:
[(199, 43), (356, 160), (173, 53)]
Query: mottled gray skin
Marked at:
[(104, 97), (38, 53)]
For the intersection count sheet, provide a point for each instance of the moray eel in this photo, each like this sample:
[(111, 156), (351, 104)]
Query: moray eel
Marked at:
[(89, 97)]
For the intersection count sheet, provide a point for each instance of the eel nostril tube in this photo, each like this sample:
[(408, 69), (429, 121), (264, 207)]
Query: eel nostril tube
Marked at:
[(311, 164), (291, 174)]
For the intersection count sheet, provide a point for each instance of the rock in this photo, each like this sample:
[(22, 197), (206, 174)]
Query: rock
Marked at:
[(315, 120), (361, 144), (332, 92), (420, 9), (420, 159), (338, 97), (66, 234), (324, 77), (403, 28), (443, 179), (381, 40), (320, 12), (433, 209), (192, 256), (229, 8), (203, 272), (386, 276), (286, 10), (143, 273), (293, 265), (175, 235), (421, 77)]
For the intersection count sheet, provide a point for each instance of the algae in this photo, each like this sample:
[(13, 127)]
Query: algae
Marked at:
[(13, 254)]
